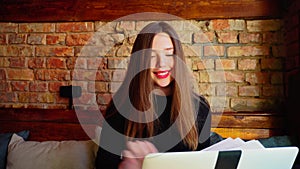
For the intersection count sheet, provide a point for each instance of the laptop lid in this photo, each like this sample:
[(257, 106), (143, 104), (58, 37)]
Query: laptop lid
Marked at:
[(267, 158)]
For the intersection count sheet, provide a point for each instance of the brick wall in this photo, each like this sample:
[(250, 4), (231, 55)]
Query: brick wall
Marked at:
[(37, 58)]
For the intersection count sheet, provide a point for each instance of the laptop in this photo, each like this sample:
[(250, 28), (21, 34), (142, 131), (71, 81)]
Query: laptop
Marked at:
[(267, 158)]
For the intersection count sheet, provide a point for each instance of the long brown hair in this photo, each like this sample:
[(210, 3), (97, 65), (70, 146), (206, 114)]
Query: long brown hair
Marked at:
[(138, 85)]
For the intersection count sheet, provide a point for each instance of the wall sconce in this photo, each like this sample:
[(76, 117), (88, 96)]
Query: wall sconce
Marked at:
[(70, 92)]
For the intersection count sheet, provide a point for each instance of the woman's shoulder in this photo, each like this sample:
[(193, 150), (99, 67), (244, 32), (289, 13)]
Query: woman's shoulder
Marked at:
[(201, 103), (201, 99)]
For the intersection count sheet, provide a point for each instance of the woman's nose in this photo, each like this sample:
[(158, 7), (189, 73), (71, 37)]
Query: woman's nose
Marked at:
[(161, 59)]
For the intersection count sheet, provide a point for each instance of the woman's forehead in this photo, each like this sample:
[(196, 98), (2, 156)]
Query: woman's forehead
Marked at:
[(162, 41)]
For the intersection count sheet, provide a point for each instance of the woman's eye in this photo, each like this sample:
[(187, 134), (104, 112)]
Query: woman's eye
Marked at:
[(170, 55)]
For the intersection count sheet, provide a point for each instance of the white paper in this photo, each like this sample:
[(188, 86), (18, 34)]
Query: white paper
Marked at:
[(234, 144)]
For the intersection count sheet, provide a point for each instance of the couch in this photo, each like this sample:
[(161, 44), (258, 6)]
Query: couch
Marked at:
[(55, 139), (19, 153)]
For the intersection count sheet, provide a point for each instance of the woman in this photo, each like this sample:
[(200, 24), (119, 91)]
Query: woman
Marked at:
[(155, 108)]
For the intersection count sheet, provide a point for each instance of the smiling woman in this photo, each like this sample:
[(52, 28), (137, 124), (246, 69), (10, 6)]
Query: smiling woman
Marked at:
[(162, 113)]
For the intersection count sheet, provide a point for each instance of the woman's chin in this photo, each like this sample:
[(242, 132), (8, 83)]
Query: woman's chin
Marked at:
[(162, 84)]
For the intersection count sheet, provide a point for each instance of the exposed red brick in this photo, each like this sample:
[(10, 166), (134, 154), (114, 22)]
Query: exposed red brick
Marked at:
[(17, 62), (76, 63), (55, 39), (4, 86), (257, 78), (103, 75), (53, 74), (17, 38), (19, 86), (59, 63), (238, 51), (234, 77), (20, 74), (118, 75), (203, 37), (37, 58), (247, 64), (225, 64), (206, 89), (85, 99), (80, 74), (205, 64), (36, 39), (227, 90), (214, 50), (249, 91), (227, 37), (3, 39), (75, 27), (54, 51), (8, 97), (118, 63), (125, 26), (8, 27), (55, 86), (212, 76), (220, 24), (103, 98), (114, 86), (98, 87), (46, 97), (2, 74), (264, 25), (246, 37), (78, 39), (4, 62), (36, 63), (37, 27), (28, 97), (96, 63), (38, 86)]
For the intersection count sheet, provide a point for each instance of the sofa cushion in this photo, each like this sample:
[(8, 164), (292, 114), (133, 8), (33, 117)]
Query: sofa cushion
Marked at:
[(278, 141), (51, 154), (4, 141)]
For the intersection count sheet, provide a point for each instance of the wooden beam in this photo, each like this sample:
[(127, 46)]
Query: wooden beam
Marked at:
[(56, 124), (107, 10), (248, 133)]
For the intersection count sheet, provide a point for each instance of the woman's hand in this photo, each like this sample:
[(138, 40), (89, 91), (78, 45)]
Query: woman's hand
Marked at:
[(134, 155)]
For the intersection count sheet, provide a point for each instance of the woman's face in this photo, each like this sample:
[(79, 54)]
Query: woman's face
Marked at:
[(162, 60)]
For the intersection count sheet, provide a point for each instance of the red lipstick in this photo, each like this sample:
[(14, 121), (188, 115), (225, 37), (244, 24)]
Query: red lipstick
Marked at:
[(162, 74)]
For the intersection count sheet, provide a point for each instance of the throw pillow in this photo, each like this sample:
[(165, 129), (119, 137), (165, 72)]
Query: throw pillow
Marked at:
[(4, 141), (278, 141), (51, 154)]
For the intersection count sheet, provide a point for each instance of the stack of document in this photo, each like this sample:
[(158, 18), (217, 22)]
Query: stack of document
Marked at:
[(234, 144)]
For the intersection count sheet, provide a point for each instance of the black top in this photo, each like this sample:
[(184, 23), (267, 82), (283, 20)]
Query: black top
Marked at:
[(112, 140)]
